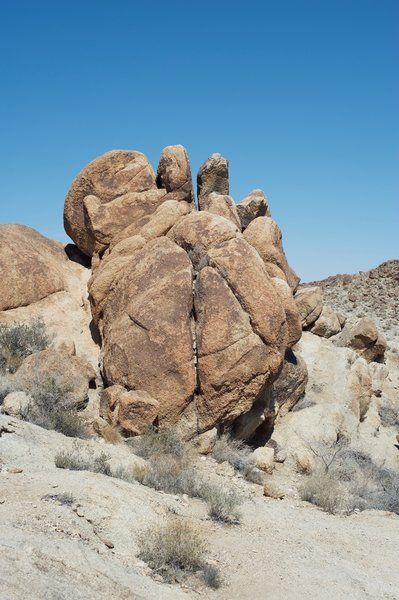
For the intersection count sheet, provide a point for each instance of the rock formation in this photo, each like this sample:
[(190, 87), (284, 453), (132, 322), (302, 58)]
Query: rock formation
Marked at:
[(191, 311)]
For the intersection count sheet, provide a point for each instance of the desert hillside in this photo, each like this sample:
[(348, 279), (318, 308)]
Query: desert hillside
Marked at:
[(373, 293), (179, 416)]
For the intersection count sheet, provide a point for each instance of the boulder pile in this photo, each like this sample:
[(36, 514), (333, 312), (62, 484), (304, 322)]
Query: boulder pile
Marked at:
[(194, 306)]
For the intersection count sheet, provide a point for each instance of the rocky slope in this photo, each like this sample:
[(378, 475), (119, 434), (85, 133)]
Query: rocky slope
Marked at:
[(374, 293)]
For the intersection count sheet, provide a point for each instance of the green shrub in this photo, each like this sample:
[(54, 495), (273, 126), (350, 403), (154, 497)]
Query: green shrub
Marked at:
[(20, 340), (211, 577)]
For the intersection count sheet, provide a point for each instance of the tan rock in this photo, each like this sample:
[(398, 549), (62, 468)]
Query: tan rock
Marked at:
[(304, 461), (147, 339), (201, 230), (294, 327), (271, 490), (107, 177), (265, 236), (31, 266), (253, 206), (360, 388), (327, 324), (224, 206), (131, 412), (246, 275), (15, 403), (233, 363), (174, 173), (364, 338), (213, 176), (73, 370), (105, 221), (264, 459), (309, 301)]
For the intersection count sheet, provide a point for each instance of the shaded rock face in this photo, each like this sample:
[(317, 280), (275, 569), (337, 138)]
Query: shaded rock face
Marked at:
[(187, 306), (364, 338), (252, 206)]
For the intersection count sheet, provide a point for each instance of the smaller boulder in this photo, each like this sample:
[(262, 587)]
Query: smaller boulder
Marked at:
[(174, 173), (264, 459), (213, 176), (327, 324), (224, 206), (253, 206), (364, 338), (132, 412), (15, 403), (271, 490), (310, 304)]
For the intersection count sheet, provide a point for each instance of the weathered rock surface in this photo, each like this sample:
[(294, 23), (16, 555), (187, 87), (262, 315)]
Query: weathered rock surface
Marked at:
[(224, 206), (72, 370), (109, 176), (174, 173), (131, 412), (147, 338), (31, 266), (213, 176), (253, 206), (265, 236), (309, 301), (364, 338), (327, 324)]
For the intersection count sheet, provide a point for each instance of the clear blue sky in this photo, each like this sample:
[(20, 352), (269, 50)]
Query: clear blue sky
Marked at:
[(300, 95)]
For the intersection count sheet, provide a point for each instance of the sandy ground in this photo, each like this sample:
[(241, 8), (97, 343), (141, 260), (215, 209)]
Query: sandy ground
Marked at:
[(283, 549)]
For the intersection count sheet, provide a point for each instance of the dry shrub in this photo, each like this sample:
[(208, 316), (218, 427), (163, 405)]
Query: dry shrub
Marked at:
[(174, 547), (20, 340), (52, 406), (156, 442), (83, 458), (237, 454), (389, 415), (222, 503), (326, 491)]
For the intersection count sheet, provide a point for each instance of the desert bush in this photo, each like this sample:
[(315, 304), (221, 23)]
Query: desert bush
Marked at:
[(51, 406), (326, 491), (389, 415), (20, 340), (350, 479), (222, 503), (158, 442), (172, 548), (64, 498), (235, 452), (174, 475), (81, 458), (211, 576)]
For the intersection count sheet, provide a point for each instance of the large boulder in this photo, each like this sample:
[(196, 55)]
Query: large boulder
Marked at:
[(109, 176), (309, 301), (174, 173), (213, 176), (31, 266), (265, 236), (147, 336), (364, 338), (253, 206)]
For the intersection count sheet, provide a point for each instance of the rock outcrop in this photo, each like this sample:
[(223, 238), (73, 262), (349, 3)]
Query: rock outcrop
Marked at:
[(191, 311)]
